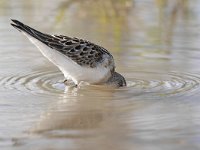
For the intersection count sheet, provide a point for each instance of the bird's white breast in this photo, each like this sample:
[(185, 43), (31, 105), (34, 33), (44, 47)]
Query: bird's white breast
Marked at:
[(71, 69)]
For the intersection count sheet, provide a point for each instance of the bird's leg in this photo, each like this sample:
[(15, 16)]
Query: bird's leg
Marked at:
[(66, 81), (69, 82)]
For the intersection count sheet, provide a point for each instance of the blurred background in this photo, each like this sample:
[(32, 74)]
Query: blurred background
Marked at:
[(155, 29), (156, 47)]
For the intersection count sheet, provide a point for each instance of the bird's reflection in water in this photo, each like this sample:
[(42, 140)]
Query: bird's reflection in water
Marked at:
[(84, 113)]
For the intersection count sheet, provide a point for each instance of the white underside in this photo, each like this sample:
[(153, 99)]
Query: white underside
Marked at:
[(71, 69)]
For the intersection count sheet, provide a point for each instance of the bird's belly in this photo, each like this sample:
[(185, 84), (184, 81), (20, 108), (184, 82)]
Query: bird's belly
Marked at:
[(71, 69), (90, 75)]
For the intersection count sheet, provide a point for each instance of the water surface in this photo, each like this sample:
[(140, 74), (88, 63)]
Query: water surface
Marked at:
[(156, 47)]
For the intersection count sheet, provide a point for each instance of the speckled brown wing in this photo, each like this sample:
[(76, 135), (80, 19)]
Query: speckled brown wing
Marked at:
[(81, 51)]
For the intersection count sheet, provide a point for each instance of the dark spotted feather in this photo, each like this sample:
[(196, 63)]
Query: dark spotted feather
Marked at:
[(81, 51)]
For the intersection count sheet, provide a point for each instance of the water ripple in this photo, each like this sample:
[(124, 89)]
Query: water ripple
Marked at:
[(139, 84), (35, 82), (164, 84)]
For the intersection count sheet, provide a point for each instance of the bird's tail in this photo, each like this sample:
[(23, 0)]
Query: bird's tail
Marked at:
[(32, 32)]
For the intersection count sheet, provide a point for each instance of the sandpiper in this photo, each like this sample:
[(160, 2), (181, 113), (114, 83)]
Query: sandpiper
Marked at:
[(79, 60)]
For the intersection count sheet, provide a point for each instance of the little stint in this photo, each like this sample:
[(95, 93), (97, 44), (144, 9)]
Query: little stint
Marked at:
[(79, 60)]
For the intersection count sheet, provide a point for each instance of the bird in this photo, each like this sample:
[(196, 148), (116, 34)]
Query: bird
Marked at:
[(78, 59)]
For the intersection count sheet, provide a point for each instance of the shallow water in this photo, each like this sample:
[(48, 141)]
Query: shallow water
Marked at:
[(156, 47)]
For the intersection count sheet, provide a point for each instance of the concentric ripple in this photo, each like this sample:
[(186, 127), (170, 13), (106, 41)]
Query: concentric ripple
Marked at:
[(162, 84), (46, 83), (139, 83)]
